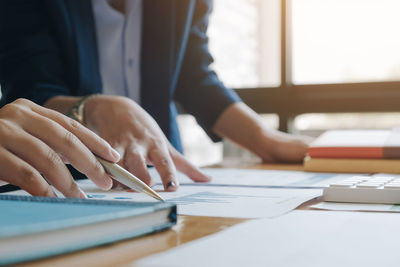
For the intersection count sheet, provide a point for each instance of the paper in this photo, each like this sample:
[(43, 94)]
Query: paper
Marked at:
[(240, 193), (259, 178), (300, 238), (217, 201), (356, 207), (262, 178)]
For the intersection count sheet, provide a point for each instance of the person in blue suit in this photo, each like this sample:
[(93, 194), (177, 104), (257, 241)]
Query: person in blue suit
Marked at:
[(124, 64)]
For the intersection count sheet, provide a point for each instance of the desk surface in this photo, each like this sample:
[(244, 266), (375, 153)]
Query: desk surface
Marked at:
[(125, 252)]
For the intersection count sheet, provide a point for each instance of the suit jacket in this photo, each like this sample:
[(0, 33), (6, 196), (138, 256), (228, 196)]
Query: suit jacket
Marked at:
[(49, 48)]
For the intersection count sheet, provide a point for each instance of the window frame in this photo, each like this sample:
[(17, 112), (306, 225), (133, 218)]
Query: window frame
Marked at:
[(290, 100)]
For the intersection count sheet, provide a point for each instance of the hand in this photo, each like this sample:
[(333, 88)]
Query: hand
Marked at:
[(35, 140), (277, 146), (244, 127), (138, 138)]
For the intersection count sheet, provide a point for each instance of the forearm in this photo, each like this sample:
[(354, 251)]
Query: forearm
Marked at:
[(243, 126)]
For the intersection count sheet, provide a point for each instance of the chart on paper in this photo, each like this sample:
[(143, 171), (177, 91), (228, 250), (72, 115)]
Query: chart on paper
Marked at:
[(217, 201), (240, 193)]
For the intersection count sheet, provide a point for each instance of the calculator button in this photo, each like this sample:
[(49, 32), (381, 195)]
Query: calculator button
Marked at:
[(354, 181), (368, 185), (391, 186), (398, 183), (380, 180), (360, 178), (383, 177), (341, 185)]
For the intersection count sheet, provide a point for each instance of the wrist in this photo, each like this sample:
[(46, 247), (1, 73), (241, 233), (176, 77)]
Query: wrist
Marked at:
[(61, 104), (266, 143), (91, 111), (77, 111)]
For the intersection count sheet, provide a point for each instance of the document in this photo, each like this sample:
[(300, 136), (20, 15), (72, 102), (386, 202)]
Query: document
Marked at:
[(261, 178), (300, 238), (217, 201), (239, 193)]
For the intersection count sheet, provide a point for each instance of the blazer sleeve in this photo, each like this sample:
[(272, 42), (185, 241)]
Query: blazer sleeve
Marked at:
[(199, 90), (30, 62)]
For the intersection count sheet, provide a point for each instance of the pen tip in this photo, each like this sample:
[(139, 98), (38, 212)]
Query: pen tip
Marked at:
[(160, 198), (154, 195)]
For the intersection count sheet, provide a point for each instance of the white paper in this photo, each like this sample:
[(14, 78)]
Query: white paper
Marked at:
[(356, 207), (217, 201), (240, 193), (262, 178), (300, 238)]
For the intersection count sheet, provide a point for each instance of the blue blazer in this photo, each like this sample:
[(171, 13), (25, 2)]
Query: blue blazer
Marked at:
[(49, 48)]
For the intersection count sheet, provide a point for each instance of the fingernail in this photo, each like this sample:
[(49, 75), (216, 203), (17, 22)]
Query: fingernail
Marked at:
[(115, 154), (108, 183), (171, 185), (82, 194)]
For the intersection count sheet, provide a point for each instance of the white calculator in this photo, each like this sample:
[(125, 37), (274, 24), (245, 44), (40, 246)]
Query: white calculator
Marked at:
[(377, 189)]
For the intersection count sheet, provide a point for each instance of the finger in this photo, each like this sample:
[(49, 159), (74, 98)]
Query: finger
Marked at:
[(118, 186), (17, 172), (165, 167), (135, 163), (45, 160), (121, 150), (70, 147), (188, 168), (96, 144)]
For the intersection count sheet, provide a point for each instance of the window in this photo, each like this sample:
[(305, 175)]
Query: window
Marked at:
[(245, 42), (292, 57), (345, 41), (316, 64)]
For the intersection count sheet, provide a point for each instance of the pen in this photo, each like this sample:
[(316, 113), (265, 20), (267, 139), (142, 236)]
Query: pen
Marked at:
[(128, 179)]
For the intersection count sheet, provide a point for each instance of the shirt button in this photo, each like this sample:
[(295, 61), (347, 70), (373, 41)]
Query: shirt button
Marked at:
[(130, 63)]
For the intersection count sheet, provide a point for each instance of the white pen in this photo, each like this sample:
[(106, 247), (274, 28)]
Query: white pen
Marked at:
[(128, 179)]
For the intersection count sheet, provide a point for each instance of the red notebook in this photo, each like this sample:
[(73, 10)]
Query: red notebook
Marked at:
[(357, 144)]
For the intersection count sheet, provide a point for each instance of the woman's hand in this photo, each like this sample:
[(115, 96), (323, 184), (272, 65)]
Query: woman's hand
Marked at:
[(35, 144)]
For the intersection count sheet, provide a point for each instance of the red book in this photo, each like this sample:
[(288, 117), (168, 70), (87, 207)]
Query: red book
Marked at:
[(370, 144)]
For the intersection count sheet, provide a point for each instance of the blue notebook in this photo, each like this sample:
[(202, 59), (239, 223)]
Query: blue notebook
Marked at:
[(37, 227)]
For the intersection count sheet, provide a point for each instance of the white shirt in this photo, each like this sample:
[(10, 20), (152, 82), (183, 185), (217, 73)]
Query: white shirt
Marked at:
[(118, 42)]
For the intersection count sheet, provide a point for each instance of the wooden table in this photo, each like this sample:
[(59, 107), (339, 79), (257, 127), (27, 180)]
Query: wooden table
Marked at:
[(187, 229)]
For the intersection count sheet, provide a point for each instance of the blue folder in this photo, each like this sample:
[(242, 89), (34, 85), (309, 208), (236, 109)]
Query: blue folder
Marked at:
[(37, 227)]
